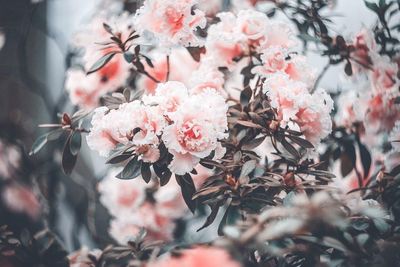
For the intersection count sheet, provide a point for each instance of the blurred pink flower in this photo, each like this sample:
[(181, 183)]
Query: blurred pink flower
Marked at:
[(197, 257)]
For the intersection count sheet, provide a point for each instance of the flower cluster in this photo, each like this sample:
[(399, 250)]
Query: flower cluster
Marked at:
[(190, 126), (171, 22), (136, 205), (198, 257)]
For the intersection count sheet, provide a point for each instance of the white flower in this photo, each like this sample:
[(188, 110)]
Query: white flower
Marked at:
[(171, 22), (197, 126), (132, 123)]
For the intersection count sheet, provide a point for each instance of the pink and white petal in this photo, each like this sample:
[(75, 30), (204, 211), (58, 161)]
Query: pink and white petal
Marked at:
[(182, 163)]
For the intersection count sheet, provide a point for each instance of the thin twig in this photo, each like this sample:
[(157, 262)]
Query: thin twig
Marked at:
[(320, 77), (168, 69)]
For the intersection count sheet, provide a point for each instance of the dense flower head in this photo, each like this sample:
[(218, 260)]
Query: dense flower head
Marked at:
[(132, 209), (131, 123), (170, 22), (294, 104), (190, 125), (236, 35), (198, 257), (198, 125)]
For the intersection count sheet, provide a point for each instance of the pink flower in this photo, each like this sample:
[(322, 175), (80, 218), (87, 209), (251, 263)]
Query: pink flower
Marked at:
[(381, 113), (168, 96), (123, 231), (253, 25), (294, 104), (313, 116), (206, 77), (280, 35), (128, 202), (365, 47), (131, 123), (198, 257), (119, 196), (277, 59), (197, 126), (10, 160), (384, 75), (21, 199), (171, 22), (223, 41)]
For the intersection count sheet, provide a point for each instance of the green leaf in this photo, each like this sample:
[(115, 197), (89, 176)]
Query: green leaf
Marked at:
[(39, 143), (54, 135), (131, 170), (115, 159), (75, 142), (245, 96), (68, 159), (146, 172), (366, 159), (372, 6), (300, 141), (101, 62), (188, 189), (248, 167)]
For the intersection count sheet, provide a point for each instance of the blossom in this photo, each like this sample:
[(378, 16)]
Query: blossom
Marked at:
[(10, 160), (384, 75), (119, 196), (198, 257), (364, 47), (223, 43), (21, 199), (207, 76), (279, 34), (168, 96), (131, 123), (278, 60), (381, 113), (197, 126), (129, 203), (170, 22), (311, 112)]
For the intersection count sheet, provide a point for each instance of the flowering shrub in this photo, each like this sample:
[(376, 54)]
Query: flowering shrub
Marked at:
[(214, 109)]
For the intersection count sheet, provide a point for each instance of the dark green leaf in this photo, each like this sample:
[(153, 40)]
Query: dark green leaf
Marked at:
[(38, 144), (188, 189), (248, 167), (290, 148), (366, 159), (131, 170), (68, 159), (101, 62), (146, 172), (118, 158), (210, 218), (75, 142), (300, 141), (245, 96)]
